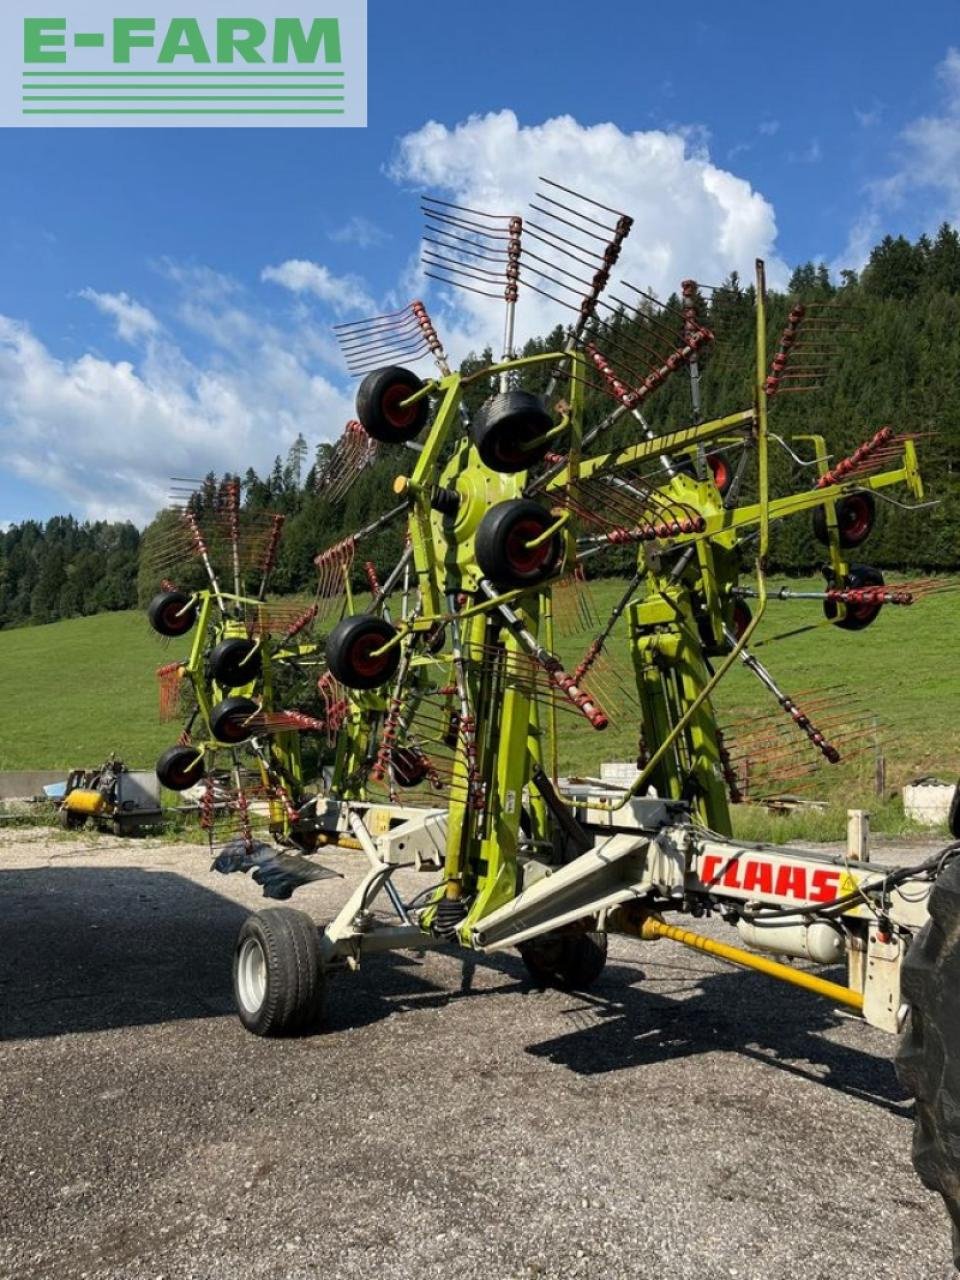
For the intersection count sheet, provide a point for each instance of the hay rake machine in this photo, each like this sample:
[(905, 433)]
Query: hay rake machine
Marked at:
[(446, 690)]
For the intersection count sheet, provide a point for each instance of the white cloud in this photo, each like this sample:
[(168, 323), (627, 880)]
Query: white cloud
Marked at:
[(768, 127), (343, 293), (108, 435), (359, 231), (691, 218), (926, 173), (811, 154), (133, 320), (867, 119)]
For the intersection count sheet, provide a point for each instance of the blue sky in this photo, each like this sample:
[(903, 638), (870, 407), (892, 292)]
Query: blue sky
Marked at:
[(132, 289)]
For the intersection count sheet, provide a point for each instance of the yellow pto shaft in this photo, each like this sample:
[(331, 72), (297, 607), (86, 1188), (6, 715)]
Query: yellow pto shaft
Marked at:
[(653, 928)]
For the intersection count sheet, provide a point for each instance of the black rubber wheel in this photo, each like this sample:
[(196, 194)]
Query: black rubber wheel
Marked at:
[(235, 662), (71, 821), (504, 427), (856, 516), (740, 618), (569, 959), (351, 652), (856, 616), (410, 766), (928, 1060), (180, 768), (278, 976), (953, 818), (501, 544), (380, 405), (228, 720), (172, 613), (721, 470)]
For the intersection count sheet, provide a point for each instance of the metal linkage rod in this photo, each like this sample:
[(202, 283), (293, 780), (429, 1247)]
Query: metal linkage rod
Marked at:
[(800, 719), (548, 661)]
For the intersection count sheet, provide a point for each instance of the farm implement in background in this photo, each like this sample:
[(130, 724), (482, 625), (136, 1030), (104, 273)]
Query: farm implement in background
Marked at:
[(443, 699)]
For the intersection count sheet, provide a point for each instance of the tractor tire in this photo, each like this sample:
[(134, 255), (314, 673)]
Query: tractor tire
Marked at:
[(351, 652), (180, 768), (928, 1060), (501, 549), (228, 720), (172, 613), (278, 975), (856, 516), (380, 405), (953, 818), (856, 616), (566, 959), (234, 663), (504, 427)]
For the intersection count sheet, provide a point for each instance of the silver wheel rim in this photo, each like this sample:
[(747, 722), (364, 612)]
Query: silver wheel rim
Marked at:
[(251, 975)]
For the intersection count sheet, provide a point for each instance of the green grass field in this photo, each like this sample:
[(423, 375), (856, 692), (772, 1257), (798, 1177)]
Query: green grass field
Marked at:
[(77, 690)]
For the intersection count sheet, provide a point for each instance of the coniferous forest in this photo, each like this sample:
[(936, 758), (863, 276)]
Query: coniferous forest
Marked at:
[(895, 361)]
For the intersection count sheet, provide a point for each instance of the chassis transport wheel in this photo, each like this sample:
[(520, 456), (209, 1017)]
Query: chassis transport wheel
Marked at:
[(278, 977), (381, 410), (228, 720), (504, 428), (502, 544), (928, 1061), (856, 616), (235, 662), (568, 959), (352, 652), (172, 613), (856, 516), (180, 768)]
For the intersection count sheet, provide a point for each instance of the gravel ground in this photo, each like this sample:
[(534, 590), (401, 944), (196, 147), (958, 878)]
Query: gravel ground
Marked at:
[(682, 1120)]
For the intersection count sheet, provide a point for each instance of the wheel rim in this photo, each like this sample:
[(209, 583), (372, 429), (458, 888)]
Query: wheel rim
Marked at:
[(251, 975), (394, 410), (721, 473), (526, 560), (856, 518), (364, 660)]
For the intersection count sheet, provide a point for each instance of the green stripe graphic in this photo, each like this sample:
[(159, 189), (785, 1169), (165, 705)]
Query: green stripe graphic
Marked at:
[(181, 111), (181, 97), (185, 73)]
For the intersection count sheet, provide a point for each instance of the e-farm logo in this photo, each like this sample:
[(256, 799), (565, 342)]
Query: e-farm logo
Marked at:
[(100, 63)]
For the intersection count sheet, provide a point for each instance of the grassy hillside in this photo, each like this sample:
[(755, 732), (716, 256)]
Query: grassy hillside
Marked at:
[(76, 690)]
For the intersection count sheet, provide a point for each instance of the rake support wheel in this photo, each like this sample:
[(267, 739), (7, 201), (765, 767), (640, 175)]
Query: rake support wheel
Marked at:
[(928, 1061), (381, 410), (352, 656), (172, 613), (505, 428), (278, 975), (228, 720), (856, 516), (235, 662), (503, 542), (856, 616), (180, 768)]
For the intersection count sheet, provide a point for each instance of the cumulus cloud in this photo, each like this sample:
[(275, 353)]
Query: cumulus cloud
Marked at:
[(691, 218), (133, 321), (107, 435), (359, 231), (343, 293), (925, 173)]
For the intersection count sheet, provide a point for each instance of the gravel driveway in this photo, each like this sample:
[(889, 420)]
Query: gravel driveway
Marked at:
[(682, 1120)]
